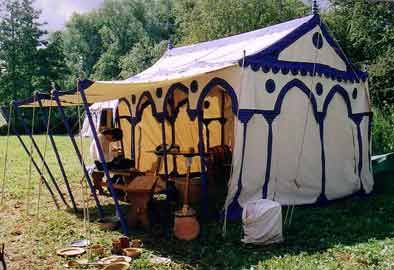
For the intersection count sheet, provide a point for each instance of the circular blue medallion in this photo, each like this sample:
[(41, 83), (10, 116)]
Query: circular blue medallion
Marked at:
[(354, 93), (317, 40), (270, 85), (319, 89), (194, 86), (159, 92)]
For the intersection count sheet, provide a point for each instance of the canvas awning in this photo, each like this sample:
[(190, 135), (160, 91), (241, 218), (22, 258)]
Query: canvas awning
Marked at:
[(195, 60), (186, 62)]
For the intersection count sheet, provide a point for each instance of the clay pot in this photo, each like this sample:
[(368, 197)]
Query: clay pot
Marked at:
[(116, 249), (136, 243), (124, 242), (117, 266), (132, 252), (186, 226), (97, 250)]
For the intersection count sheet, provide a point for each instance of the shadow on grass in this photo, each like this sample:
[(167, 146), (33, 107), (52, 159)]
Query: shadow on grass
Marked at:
[(351, 221)]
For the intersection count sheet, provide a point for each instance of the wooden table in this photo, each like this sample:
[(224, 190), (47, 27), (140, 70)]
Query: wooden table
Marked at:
[(139, 192)]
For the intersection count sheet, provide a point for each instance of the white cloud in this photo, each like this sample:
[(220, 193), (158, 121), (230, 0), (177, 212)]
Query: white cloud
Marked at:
[(57, 12)]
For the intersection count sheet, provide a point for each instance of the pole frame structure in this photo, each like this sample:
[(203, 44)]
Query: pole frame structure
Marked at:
[(55, 96), (41, 157), (55, 150), (36, 167), (119, 211)]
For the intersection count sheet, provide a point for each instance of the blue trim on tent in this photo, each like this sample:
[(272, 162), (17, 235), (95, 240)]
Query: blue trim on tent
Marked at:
[(268, 58), (142, 104), (198, 112), (170, 93), (223, 84), (245, 115), (234, 211), (370, 119)]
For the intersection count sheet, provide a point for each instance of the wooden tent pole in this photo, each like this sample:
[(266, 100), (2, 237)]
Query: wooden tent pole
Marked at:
[(41, 157), (77, 152), (42, 177), (59, 161), (119, 211)]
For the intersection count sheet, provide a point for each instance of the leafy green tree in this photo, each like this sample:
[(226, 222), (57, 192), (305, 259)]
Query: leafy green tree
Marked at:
[(365, 31), (51, 64), (140, 57), (20, 35), (201, 20), (82, 44)]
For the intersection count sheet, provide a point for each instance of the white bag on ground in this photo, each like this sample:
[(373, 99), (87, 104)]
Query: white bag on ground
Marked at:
[(262, 222)]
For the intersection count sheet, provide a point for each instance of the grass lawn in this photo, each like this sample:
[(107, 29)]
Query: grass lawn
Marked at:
[(356, 233)]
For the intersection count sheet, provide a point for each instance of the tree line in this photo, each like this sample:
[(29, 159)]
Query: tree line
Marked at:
[(124, 37)]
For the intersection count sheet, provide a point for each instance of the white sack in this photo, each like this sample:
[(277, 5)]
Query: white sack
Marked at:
[(262, 222)]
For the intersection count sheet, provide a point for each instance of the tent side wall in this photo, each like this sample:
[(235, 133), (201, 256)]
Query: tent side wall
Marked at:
[(303, 134)]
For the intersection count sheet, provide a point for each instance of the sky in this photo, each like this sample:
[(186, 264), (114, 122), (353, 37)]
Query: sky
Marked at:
[(57, 12)]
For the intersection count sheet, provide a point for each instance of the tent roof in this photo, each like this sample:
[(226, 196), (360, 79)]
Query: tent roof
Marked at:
[(216, 54), (198, 59), (190, 61)]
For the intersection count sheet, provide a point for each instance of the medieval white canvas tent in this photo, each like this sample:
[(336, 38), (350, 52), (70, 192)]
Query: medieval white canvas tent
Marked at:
[(285, 99)]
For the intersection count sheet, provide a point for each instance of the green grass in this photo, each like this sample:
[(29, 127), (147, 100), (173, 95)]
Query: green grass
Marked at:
[(356, 233)]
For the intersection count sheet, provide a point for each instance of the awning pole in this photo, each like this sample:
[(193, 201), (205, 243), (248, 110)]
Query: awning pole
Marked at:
[(123, 222), (34, 143), (59, 161), (55, 96), (204, 178), (42, 177)]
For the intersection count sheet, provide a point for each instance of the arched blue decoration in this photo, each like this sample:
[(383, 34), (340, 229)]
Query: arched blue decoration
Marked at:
[(223, 84), (270, 116), (124, 100), (317, 40), (337, 89), (296, 84), (356, 118), (199, 112), (141, 105), (170, 93), (270, 85)]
